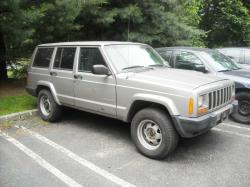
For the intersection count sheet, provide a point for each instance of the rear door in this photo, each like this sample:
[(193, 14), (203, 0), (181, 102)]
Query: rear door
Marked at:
[(62, 74), (94, 92)]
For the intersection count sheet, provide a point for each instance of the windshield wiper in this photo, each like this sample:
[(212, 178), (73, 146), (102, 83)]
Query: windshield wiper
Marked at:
[(157, 65), (132, 67), (225, 70)]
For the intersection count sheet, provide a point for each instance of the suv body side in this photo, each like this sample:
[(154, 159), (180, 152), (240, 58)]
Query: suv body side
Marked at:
[(161, 103), (117, 95), (106, 95)]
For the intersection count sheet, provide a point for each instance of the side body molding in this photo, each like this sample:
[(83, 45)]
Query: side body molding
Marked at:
[(52, 89), (167, 102)]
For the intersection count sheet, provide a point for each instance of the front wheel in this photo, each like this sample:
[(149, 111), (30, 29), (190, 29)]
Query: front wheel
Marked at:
[(153, 133), (243, 113)]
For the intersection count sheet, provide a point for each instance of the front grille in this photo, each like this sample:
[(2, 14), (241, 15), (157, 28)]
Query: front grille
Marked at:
[(219, 97)]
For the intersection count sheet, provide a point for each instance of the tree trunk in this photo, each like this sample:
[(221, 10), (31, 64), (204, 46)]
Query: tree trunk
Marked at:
[(3, 66)]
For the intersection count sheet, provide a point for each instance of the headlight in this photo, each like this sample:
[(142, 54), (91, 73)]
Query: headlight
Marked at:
[(203, 104), (203, 101)]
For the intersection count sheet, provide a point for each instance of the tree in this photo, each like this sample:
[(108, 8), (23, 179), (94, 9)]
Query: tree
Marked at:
[(56, 21), (227, 23), (15, 32), (25, 23), (154, 22)]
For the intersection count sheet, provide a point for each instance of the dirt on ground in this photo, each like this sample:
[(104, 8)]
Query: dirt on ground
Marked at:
[(12, 87)]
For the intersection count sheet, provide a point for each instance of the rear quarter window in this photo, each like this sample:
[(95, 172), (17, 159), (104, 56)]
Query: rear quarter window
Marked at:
[(43, 57)]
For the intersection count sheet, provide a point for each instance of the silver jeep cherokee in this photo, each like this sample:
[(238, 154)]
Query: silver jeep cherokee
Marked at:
[(131, 82)]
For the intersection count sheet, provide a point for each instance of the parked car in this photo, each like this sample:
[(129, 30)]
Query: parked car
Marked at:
[(215, 63), (240, 55), (132, 83)]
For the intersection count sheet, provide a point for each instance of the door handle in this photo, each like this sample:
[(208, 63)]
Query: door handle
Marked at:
[(52, 73), (77, 76)]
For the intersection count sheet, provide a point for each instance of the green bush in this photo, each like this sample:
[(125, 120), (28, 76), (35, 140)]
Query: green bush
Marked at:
[(19, 70)]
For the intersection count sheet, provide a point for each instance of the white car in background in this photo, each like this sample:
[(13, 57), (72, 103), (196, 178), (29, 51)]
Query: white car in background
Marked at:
[(240, 55)]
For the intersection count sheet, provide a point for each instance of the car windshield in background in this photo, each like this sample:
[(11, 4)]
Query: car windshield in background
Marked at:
[(126, 57), (220, 62)]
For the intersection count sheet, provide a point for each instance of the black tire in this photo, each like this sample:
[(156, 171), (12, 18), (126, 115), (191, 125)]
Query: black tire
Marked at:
[(169, 136), (243, 113), (54, 108)]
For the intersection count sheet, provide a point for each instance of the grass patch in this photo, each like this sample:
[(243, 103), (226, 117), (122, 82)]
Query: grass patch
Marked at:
[(12, 104)]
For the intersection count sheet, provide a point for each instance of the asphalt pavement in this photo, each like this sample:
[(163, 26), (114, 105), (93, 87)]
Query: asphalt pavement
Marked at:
[(84, 149)]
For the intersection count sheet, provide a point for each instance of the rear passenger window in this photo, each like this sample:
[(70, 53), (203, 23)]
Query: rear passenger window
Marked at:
[(43, 57), (65, 58), (89, 57)]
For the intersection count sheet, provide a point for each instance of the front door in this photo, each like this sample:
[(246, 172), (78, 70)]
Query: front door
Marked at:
[(94, 92), (62, 74)]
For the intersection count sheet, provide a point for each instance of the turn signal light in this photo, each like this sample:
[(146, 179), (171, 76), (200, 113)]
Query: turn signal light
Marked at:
[(191, 106)]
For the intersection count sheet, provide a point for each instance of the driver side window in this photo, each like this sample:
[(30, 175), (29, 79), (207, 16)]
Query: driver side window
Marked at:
[(187, 60), (88, 58)]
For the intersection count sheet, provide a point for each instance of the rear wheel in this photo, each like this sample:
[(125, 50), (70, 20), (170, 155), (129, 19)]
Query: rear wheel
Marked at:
[(243, 113), (153, 133), (48, 109)]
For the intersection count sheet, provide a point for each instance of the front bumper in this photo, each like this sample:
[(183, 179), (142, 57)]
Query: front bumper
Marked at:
[(190, 127)]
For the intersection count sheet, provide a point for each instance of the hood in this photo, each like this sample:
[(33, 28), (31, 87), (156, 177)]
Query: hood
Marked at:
[(241, 76), (184, 79)]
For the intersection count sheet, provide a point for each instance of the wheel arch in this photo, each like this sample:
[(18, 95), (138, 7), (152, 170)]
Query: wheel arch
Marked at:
[(141, 101), (49, 86)]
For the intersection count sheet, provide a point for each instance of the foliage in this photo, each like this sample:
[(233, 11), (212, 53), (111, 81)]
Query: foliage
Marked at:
[(227, 23), (19, 69), (212, 23), (152, 22)]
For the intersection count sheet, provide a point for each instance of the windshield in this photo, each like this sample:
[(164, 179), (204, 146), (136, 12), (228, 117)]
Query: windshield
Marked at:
[(219, 61), (126, 57)]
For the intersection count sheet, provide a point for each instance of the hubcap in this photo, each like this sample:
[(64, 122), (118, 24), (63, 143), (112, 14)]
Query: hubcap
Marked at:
[(244, 107), (45, 105), (149, 134)]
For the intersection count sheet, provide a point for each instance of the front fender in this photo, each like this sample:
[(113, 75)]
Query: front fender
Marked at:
[(52, 89), (167, 102)]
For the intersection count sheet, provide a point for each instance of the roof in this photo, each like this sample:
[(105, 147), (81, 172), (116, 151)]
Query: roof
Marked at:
[(184, 48), (77, 43)]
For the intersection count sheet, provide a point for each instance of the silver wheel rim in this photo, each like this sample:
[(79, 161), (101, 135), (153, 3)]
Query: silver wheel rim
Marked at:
[(45, 105), (149, 134)]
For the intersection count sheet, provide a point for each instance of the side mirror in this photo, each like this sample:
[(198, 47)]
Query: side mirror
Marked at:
[(201, 69), (100, 70)]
